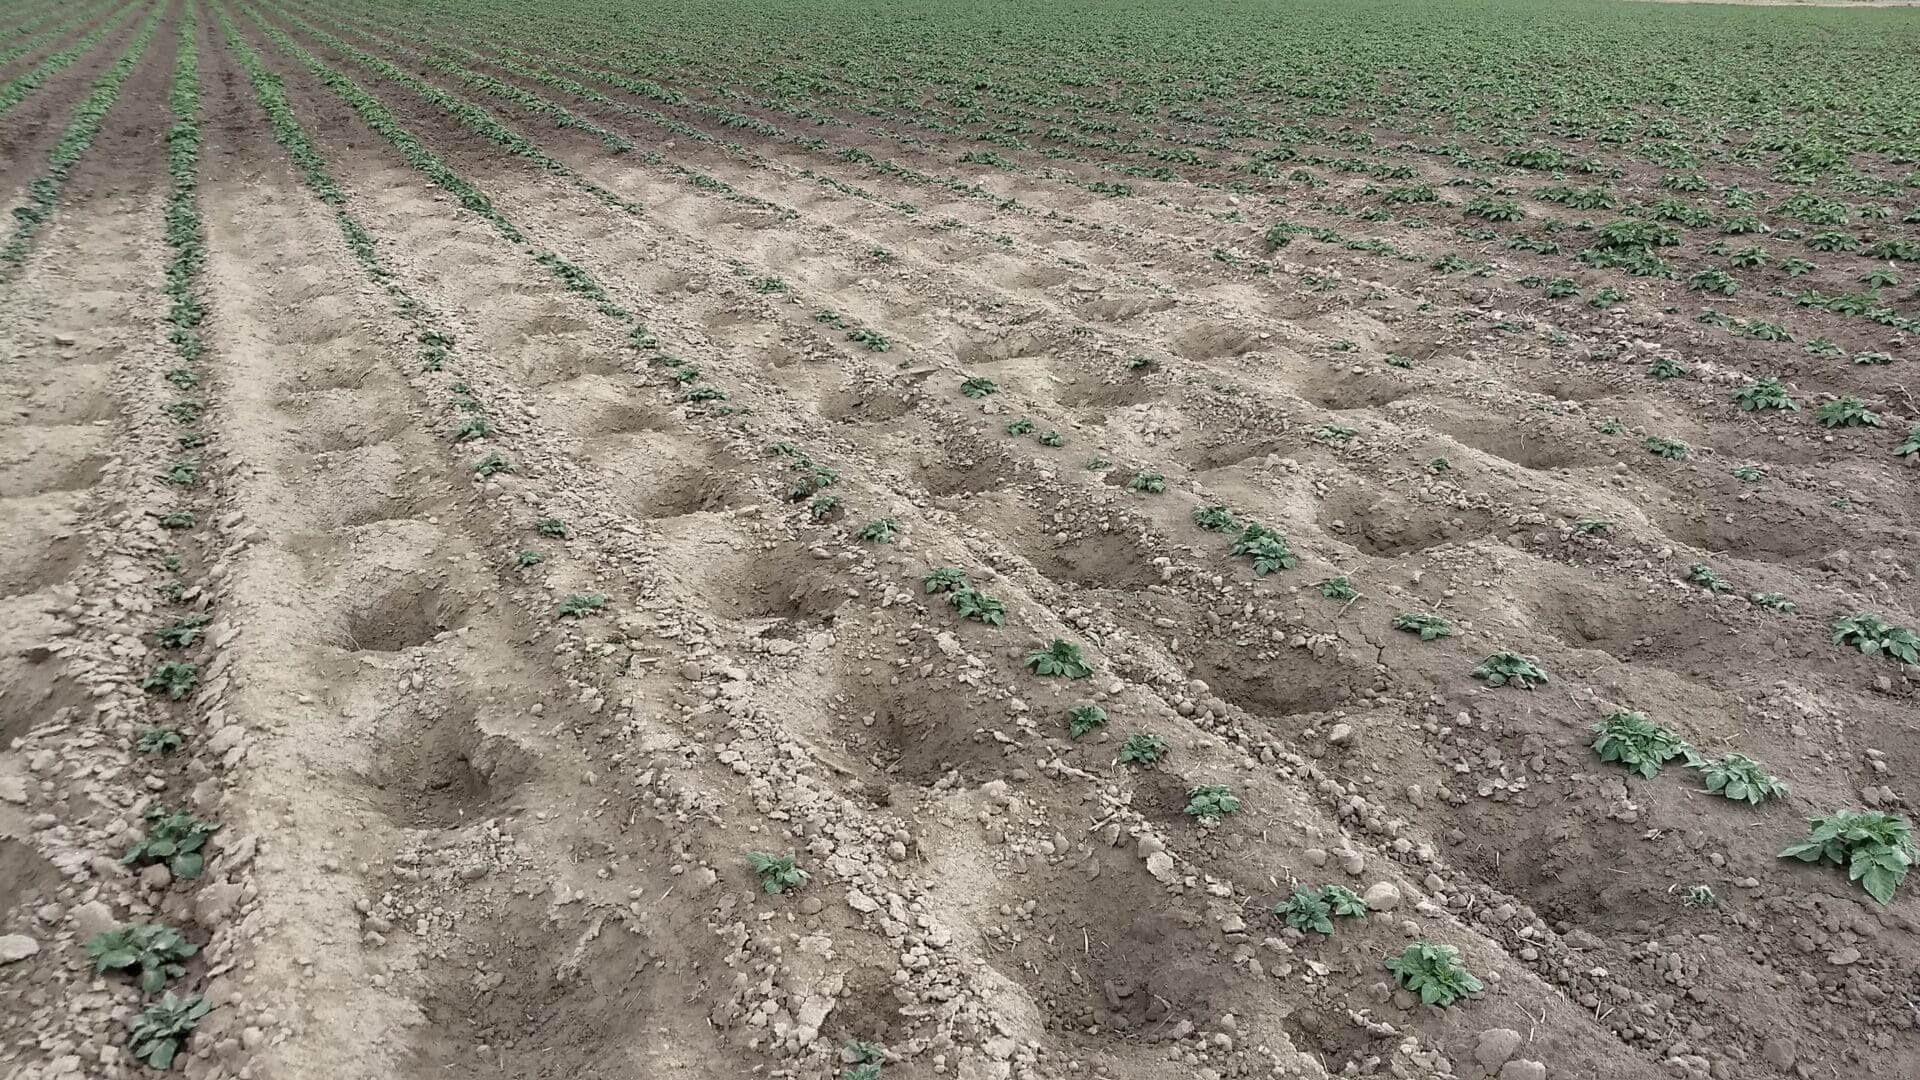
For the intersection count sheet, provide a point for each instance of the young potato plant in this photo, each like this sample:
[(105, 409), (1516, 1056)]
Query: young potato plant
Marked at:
[(973, 604), (1869, 633), (154, 951), (1150, 482), (1434, 972), (1742, 779), (160, 1028), (1061, 658), (879, 531), (1429, 627), (1632, 740), (822, 508), (1763, 395), (1911, 447), (1208, 803), (1592, 527), (1505, 668), (158, 740), (1671, 449), (581, 605), (1085, 719), (175, 840), (1846, 412), (1707, 578), (1699, 897), (778, 874), (1665, 368), (1437, 465), (1266, 549), (1021, 426), (1336, 588), (1772, 601), (1052, 439), (1313, 910), (1875, 847), (175, 678), (945, 579), (979, 387), (1142, 750), (183, 632), (1215, 519)]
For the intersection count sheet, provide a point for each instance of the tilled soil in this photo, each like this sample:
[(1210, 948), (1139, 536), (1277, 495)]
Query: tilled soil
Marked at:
[(461, 833)]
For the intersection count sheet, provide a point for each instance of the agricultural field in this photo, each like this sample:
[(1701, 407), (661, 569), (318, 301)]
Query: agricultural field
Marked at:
[(959, 539)]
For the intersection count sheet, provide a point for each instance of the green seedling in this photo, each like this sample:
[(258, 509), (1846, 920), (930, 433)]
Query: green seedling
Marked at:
[(1053, 439), (1429, 627), (1082, 719), (979, 387), (1875, 847), (473, 427), (179, 519), (1763, 395), (1434, 972), (822, 507), (158, 740), (160, 1028), (1215, 519), (1846, 412), (526, 557), (1873, 636), (1911, 447), (1267, 550), (1061, 658), (704, 393), (174, 678), (581, 605), (1632, 740), (1438, 465), (1334, 434), (183, 632), (943, 579), (1211, 802), (1699, 897), (874, 340), (1772, 601), (778, 874), (1665, 368), (492, 464), (1742, 779), (1142, 750), (1336, 588), (174, 840), (973, 604), (1707, 578), (1510, 669), (1021, 426), (1749, 474), (154, 951), (182, 473), (1872, 359), (553, 527), (1671, 449), (879, 531), (1150, 482), (1592, 527)]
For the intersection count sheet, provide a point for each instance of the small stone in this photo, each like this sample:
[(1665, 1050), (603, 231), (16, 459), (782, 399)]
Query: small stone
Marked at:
[(1496, 1045), (1382, 896), (811, 906), (861, 902), (17, 947), (92, 917), (1340, 734), (1780, 1053), (156, 876), (1523, 1069)]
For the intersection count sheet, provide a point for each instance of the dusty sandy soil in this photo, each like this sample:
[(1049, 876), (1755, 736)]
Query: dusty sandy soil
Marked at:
[(463, 835)]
